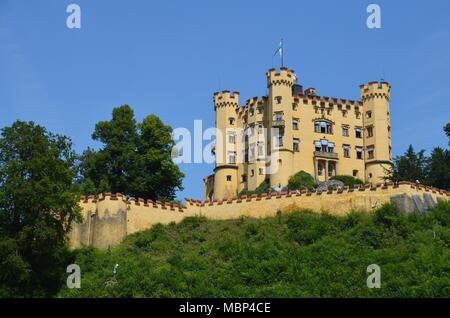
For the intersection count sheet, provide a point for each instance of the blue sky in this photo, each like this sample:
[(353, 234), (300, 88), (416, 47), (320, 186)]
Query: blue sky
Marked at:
[(168, 57)]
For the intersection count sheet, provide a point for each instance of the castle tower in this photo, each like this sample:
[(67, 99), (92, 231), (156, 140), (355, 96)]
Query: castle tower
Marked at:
[(226, 176), (377, 130), (280, 124)]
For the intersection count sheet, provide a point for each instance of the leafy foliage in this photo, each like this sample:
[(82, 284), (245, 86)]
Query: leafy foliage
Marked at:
[(264, 187), (412, 166), (36, 209), (301, 180), (302, 254), (135, 159), (348, 180)]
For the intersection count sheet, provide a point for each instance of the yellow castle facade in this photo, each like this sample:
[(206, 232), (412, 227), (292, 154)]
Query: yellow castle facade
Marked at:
[(290, 129)]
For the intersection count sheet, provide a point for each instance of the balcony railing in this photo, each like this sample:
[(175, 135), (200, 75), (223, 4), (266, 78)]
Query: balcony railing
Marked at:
[(328, 155)]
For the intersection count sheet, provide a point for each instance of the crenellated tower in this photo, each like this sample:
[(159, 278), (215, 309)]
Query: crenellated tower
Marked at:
[(226, 176), (279, 120), (375, 97)]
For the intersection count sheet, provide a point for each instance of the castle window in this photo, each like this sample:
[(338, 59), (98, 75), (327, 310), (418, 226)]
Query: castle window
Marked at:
[(345, 131), (319, 169), (370, 152), (231, 157), (278, 116), (260, 149), (278, 99), (260, 129), (358, 133), (355, 173), (228, 178), (243, 178), (369, 132), (344, 113), (261, 171), (323, 127), (294, 106), (316, 110), (252, 152), (295, 144), (369, 114), (244, 156), (330, 147), (294, 124), (390, 153), (346, 149), (252, 111), (231, 120), (389, 131), (358, 115), (329, 111), (359, 152), (370, 175), (279, 140), (324, 146), (231, 138), (252, 130), (252, 172)]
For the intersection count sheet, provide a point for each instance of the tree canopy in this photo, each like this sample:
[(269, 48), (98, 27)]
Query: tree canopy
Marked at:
[(135, 158), (433, 170), (37, 208)]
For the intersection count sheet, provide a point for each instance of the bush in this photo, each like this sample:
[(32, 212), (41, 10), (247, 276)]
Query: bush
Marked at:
[(262, 188), (300, 254), (348, 180), (301, 180)]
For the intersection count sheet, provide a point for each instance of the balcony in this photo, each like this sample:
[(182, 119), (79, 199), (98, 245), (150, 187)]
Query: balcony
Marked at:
[(278, 123), (326, 155)]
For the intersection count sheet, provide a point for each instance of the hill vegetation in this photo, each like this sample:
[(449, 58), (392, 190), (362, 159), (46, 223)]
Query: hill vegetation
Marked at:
[(302, 254)]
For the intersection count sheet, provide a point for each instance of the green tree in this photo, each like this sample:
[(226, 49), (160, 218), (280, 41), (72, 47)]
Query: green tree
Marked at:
[(411, 166), (301, 180), (135, 159), (447, 131), (439, 168), (37, 209)]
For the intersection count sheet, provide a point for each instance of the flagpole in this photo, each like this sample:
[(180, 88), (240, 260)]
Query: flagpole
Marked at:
[(282, 54)]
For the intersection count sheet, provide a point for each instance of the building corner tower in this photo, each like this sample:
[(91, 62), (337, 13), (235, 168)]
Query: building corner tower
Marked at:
[(279, 125), (226, 170), (377, 130)]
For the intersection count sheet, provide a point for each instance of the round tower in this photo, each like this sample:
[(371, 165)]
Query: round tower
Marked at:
[(377, 130), (280, 125), (225, 172)]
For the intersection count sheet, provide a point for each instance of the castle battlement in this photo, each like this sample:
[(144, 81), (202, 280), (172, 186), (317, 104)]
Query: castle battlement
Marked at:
[(109, 218), (284, 77), (226, 99), (325, 101), (375, 90)]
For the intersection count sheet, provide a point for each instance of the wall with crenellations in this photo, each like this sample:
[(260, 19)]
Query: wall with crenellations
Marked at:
[(109, 218)]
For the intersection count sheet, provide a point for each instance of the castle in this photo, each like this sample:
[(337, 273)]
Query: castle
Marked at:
[(291, 129), (279, 134)]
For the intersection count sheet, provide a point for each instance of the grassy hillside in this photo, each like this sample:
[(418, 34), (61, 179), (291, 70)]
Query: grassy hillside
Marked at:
[(295, 255)]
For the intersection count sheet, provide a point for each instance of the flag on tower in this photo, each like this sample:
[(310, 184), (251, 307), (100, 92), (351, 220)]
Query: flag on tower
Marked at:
[(280, 51)]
